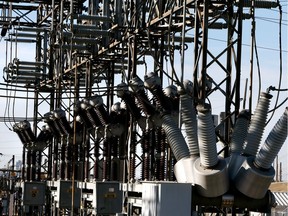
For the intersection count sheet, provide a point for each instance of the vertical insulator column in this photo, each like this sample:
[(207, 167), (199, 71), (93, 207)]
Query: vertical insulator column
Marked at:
[(160, 155), (163, 154), (132, 156), (33, 165), (55, 159), (146, 156), (23, 166), (114, 159), (105, 174), (63, 161), (28, 165), (96, 156), (39, 160), (257, 125), (69, 166), (87, 157)]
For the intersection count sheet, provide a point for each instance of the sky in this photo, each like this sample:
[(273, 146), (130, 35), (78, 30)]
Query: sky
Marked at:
[(267, 41)]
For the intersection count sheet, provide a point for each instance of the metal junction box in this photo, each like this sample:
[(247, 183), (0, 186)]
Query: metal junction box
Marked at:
[(166, 199), (107, 198), (34, 193), (64, 194)]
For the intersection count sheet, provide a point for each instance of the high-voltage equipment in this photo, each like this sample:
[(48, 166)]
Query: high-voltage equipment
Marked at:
[(120, 125)]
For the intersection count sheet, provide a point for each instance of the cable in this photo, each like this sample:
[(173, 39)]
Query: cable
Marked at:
[(258, 67), (280, 62), (275, 108)]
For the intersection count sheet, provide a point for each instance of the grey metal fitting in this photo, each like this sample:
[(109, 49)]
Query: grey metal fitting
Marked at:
[(152, 80), (211, 182), (253, 181), (183, 170)]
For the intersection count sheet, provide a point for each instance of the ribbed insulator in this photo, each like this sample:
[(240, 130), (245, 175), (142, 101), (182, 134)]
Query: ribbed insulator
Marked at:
[(257, 125), (175, 138), (137, 87), (240, 132), (96, 156), (153, 83), (129, 99), (162, 101), (189, 119), (144, 103), (260, 3), (207, 138), (146, 156), (273, 143), (132, 157)]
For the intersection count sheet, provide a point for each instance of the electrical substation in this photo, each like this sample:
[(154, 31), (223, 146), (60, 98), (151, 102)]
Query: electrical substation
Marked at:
[(121, 96)]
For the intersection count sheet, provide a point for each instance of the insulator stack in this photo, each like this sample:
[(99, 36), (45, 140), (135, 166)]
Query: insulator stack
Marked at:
[(132, 157), (137, 85), (58, 123), (87, 114), (152, 153), (97, 160), (114, 158), (63, 161), (96, 101), (69, 156), (24, 132), (257, 125), (106, 158), (160, 171), (146, 156)]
